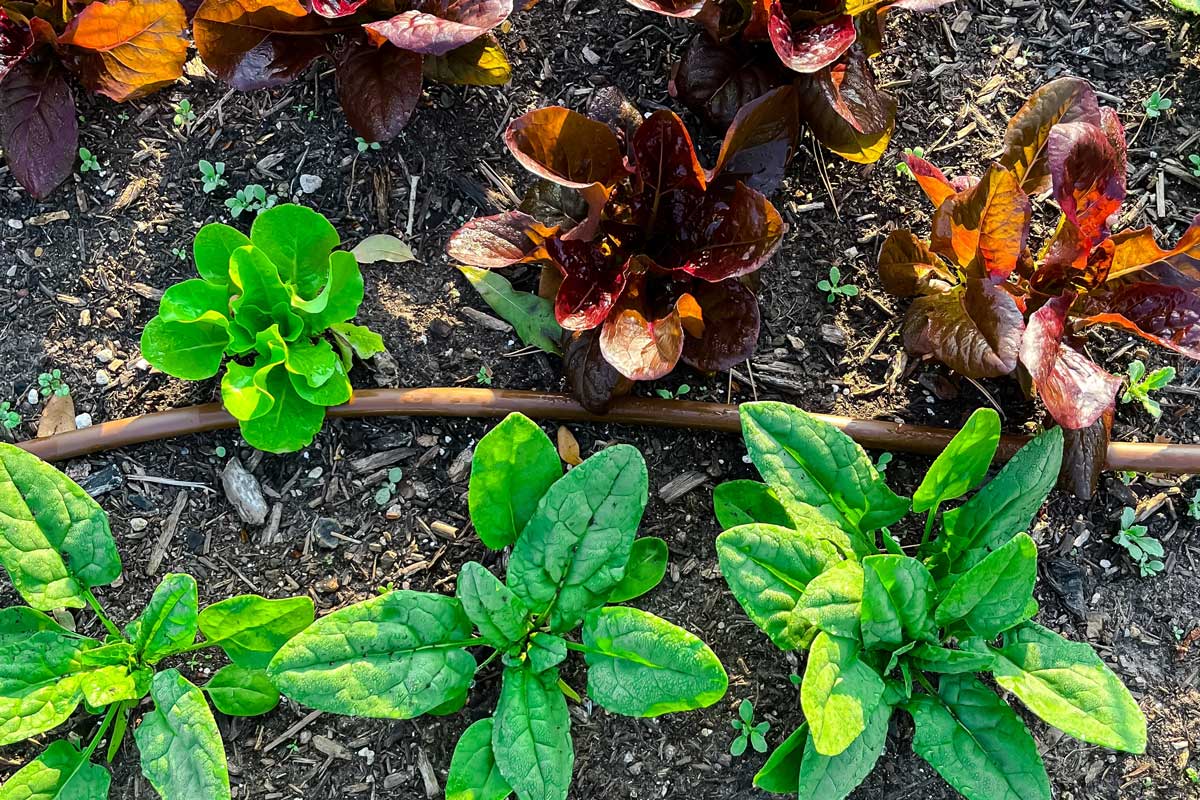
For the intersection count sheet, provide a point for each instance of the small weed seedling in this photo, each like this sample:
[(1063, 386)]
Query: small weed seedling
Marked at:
[(1139, 385), (405, 654), (1194, 506), (213, 176), (363, 145), (902, 167), (747, 731), (1145, 551), (667, 394), (882, 462), (1156, 104), (484, 376), (87, 161), (834, 287), (1195, 159), (11, 419), (1127, 476), (184, 115), (179, 253), (885, 631), (385, 493), (55, 558), (52, 383), (253, 198)]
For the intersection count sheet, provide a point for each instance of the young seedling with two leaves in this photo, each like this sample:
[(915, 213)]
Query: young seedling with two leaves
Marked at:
[(886, 631), (986, 305), (406, 653), (649, 258), (821, 47), (56, 545), (1139, 385), (278, 304)]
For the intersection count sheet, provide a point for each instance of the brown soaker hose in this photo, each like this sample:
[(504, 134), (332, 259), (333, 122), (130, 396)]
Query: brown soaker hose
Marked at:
[(1177, 459)]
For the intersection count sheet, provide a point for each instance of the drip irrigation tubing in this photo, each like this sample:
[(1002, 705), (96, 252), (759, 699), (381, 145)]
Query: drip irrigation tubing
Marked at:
[(1177, 459)]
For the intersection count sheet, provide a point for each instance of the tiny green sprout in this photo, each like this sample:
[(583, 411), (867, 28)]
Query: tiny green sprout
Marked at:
[(748, 732), (212, 175), (219, 452), (179, 253), (1141, 384), (52, 383), (293, 747), (1145, 551), (9, 419), (902, 167), (882, 463), (834, 287), (253, 198), (1127, 476), (1193, 775), (184, 114), (385, 493), (484, 376), (1194, 506), (1195, 159), (667, 394), (89, 163), (1156, 104), (364, 145)]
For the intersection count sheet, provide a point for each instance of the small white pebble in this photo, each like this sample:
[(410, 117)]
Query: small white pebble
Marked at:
[(102, 378), (138, 524), (310, 183), (32, 397), (83, 420)]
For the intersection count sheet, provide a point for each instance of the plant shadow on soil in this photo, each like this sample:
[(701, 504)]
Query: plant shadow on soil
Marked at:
[(71, 290)]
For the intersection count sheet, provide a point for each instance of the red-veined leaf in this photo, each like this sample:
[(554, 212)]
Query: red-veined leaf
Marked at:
[(809, 48), (732, 233), (907, 267), (257, 44), (663, 157), (1072, 262), (730, 316), (983, 230), (715, 81), (38, 130), (566, 147), (1074, 389), (975, 329), (128, 48), (333, 9), (1062, 100), (933, 182), (440, 25), (594, 277), (670, 8), (760, 142), (480, 63), (591, 379), (1166, 315), (499, 241), (16, 42), (1087, 175), (1085, 454), (636, 345), (378, 87)]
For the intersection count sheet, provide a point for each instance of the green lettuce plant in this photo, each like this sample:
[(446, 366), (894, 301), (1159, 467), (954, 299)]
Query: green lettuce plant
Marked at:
[(56, 545), (809, 556), (405, 653), (278, 304)]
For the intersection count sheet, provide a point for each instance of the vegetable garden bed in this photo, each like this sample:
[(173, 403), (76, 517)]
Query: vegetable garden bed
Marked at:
[(82, 270)]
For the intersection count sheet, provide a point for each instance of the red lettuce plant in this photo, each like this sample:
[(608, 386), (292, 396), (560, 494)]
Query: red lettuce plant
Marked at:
[(650, 256), (822, 46), (380, 49), (986, 305), (123, 49)]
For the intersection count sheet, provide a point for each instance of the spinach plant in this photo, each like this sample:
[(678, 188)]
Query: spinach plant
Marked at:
[(885, 630), (278, 303), (406, 653), (56, 545)]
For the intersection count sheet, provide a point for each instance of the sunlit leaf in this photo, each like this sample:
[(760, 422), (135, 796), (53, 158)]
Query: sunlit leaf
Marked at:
[(129, 48), (974, 328)]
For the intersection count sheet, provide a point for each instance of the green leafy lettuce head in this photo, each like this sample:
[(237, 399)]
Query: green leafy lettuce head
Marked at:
[(278, 305), (808, 555), (574, 554)]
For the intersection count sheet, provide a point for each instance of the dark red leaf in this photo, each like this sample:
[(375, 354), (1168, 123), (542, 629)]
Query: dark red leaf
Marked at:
[(730, 316), (379, 88), (671, 8), (16, 42), (1062, 100), (500, 241), (38, 130), (1166, 315), (332, 9), (1085, 453), (638, 346), (809, 48), (846, 111), (563, 146), (1075, 390), (907, 267), (440, 25), (759, 144), (1087, 175), (591, 379), (931, 180), (975, 328), (732, 233), (663, 156), (594, 276), (983, 230), (715, 81), (257, 44), (1073, 262), (727, 19)]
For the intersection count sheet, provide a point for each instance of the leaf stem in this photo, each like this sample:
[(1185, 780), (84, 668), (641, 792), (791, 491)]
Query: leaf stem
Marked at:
[(583, 648), (929, 524), (921, 679), (108, 718), (99, 610)]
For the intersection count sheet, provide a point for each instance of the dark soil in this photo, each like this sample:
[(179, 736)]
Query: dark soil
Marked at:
[(83, 286)]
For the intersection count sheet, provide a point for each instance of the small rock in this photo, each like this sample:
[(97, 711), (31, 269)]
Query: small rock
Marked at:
[(103, 355), (32, 397), (83, 420), (387, 371), (16, 224), (460, 467), (138, 524), (102, 378), (328, 585), (244, 493), (323, 531), (102, 482), (394, 511), (310, 183), (330, 748)]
